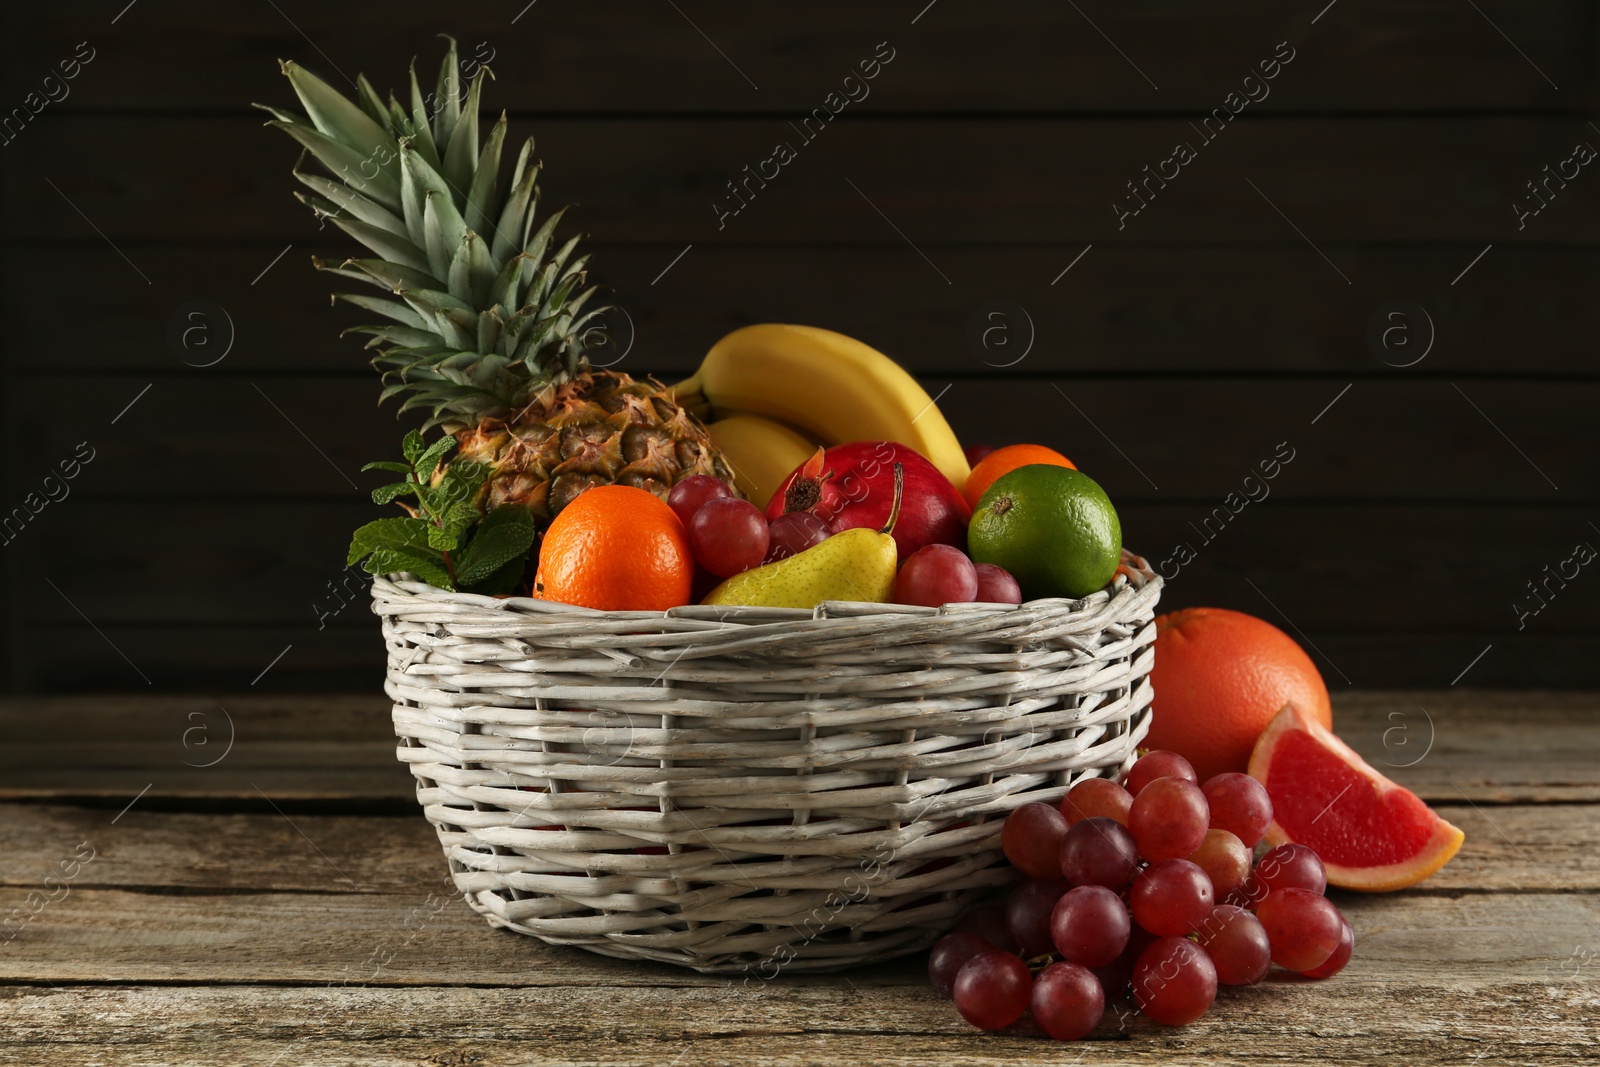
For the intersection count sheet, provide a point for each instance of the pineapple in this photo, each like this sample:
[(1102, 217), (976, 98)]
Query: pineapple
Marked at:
[(487, 315)]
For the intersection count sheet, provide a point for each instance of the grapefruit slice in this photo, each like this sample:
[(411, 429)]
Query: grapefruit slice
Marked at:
[(1371, 833)]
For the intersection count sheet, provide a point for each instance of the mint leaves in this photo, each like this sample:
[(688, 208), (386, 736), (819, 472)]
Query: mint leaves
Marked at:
[(447, 541), (391, 545)]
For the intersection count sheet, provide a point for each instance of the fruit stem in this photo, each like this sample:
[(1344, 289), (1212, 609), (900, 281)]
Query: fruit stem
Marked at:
[(899, 490)]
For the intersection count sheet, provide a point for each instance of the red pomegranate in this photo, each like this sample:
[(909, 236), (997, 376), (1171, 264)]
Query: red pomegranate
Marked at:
[(852, 485)]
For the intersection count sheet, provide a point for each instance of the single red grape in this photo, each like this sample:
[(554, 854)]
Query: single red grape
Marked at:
[(792, 533), (1303, 927), (701, 585), (996, 585), (1031, 839), (1028, 909), (1289, 867), (988, 922), (1090, 925), (1174, 981), (1341, 954), (949, 954), (1158, 764), (992, 990), (1067, 1001), (1096, 797), (934, 575), (691, 492), (1237, 944), (1099, 851), (728, 535), (1116, 978), (1239, 805), (1168, 818), (1171, 898), (975, 453), (1225, 860)]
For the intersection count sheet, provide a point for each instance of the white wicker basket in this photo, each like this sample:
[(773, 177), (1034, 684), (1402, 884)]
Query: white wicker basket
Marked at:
[(752, 789)]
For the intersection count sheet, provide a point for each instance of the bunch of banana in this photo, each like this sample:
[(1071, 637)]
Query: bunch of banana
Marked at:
[(764, 383), (760, 452)]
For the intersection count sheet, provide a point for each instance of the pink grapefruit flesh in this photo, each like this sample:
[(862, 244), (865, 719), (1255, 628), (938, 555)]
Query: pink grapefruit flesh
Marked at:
[(1371, 833)]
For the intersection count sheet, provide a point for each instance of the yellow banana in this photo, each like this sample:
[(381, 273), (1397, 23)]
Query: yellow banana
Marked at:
[(761, 452), (830, 386)]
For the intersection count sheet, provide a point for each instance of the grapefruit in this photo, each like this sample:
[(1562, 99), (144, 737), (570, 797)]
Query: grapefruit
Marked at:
[(1371, 833), (1219, 678)]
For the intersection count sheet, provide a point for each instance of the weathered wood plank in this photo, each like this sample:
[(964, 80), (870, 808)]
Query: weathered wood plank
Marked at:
[(197, 657), (227, 658), (1432, 1021), (1509, 848), (1399, 656), (662, 181), (1490, 747), (344, 657), (368, 933), (1034, 57), (290, 748), (424, 938), (1465, 568), (1474, 746), (153, 850), (1170, 427), (1122, 309)]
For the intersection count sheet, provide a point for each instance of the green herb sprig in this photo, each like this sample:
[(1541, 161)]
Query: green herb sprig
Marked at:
[(446, 539)]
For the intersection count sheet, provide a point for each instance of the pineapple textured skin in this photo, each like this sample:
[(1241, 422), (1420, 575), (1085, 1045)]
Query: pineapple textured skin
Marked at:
[(486, 315), (599, 428)]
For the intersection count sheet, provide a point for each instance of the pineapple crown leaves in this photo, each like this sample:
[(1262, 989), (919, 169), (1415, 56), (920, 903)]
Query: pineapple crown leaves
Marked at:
[(441, 539), (483, 310)]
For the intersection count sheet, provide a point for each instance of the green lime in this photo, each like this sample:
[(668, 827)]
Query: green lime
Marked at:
[(1052, 527)]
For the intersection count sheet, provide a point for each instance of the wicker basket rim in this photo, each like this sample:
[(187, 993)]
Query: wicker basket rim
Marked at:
[(1120, 585)]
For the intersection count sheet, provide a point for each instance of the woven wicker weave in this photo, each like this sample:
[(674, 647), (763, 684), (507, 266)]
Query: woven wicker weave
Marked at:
[(752, 789)]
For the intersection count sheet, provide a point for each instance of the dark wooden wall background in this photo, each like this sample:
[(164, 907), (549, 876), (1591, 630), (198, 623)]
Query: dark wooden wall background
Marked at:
[(1168, 361)]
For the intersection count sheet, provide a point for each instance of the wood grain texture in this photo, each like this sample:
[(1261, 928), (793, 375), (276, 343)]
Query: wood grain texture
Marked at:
[(284, 748), (1401, 180), (1395, 999), (1464, 567), (594, 58), (241, 936), (1385, 159), (1489, 747), (1429, 1019), (1535, 848), (1486, 746), (424, 938), (1168, 426), (1171, 310), (287, 904), (262, 575)]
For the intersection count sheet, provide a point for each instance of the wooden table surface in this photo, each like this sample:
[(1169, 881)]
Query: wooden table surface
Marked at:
[(288, 904)]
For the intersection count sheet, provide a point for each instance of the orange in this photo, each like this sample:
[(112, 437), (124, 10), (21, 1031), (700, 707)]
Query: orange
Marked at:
[(1370, 833), (1219, 678), (1004, 461), (616, 548)]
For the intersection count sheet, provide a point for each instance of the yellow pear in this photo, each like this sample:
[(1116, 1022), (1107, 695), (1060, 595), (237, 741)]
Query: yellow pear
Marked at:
[(855, 564)]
